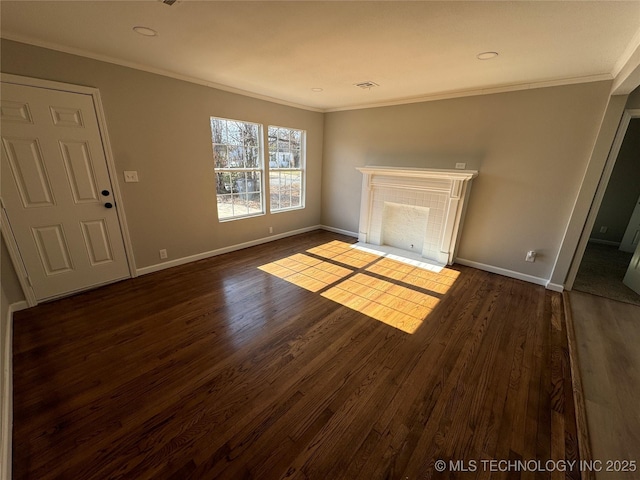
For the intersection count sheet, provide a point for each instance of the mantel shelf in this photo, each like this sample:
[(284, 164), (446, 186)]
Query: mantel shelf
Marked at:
[(441, 173)]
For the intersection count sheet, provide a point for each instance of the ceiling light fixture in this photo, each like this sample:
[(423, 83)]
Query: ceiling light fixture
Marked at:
[(317, 89), (145, 31), (486, 55)]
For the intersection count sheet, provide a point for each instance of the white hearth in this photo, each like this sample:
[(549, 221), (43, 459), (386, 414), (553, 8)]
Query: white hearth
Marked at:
[(416, 210)]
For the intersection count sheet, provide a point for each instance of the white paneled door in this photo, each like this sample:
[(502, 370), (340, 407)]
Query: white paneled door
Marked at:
[(632, 277), (631, 237), (57, 192)]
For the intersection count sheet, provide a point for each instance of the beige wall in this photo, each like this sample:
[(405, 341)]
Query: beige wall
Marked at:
[(531, 148), (159, 126), (622, 190)]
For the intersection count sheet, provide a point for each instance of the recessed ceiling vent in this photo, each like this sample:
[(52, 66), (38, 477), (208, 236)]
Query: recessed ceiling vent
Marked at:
[(169, 2), (366, 85)]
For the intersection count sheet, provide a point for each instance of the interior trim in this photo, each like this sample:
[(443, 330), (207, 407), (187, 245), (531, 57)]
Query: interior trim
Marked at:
[(7, 392), (502, 271), (145, 68), (584, 440), (596, 203), (401, 101), (220, 251), (111, 169)]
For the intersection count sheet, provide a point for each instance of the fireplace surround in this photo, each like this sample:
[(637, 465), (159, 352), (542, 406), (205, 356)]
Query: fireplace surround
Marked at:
[(418, 210)]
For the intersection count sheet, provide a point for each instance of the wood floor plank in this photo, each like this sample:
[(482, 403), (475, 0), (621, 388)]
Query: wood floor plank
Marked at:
[(607, 333), (239, 366)]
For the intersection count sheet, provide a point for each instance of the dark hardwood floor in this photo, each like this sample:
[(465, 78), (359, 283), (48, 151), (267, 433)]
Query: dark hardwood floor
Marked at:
[(220, 369)]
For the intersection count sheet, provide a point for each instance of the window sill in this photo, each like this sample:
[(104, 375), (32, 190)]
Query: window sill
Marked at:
[(284, 210), (242, 217)]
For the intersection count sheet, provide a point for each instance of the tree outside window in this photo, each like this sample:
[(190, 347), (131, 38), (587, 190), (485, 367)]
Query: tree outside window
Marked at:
[(286, 168), (237, 155)]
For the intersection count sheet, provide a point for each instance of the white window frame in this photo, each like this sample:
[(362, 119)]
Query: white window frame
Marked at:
[(260, 169), (302, 169)]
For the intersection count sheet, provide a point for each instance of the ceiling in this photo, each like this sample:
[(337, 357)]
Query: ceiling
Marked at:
[(284, 50)]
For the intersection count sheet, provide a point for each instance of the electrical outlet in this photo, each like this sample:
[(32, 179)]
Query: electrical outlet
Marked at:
[(163, 253), (604, 229), (130, 176), (531, 256), (270, 229), (461, 166)]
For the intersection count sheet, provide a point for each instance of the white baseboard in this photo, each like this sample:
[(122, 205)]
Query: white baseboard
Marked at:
[(503, 271), (6, 414), (555, 287), (604, 242), (339, 230), (469, 263), (212, 253)]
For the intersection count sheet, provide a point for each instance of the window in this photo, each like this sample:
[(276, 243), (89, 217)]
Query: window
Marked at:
[(286, 168), (238, 166)]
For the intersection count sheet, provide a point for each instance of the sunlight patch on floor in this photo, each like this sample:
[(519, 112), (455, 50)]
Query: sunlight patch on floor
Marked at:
[(306, 272), (345, 253), (403, 300), (403, 256), (397, 306), (418, 277)]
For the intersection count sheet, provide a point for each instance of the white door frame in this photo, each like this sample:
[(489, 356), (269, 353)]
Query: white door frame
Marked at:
[(597, 199), (626, 245), (12, 246)]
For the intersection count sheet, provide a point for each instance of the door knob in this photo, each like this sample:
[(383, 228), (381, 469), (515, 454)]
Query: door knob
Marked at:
[(105, 193), (108, 205)]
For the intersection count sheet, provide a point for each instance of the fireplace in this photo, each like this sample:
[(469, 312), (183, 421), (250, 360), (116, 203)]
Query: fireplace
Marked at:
[(416, 210)]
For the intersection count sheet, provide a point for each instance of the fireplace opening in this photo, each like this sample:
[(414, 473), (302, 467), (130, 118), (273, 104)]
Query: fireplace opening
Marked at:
[(404, 226)]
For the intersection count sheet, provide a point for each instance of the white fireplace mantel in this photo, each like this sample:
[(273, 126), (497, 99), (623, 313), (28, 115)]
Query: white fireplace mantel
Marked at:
[(439, 194)]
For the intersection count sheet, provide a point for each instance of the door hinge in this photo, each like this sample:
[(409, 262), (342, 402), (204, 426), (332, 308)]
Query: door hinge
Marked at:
[(28, 278)]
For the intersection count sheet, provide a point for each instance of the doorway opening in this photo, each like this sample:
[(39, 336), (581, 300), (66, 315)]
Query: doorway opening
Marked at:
[(614, 235)]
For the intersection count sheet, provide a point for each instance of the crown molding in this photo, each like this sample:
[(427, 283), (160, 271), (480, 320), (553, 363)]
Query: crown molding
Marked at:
[(424, 173), (401, 101), (627, 55), (149, 69), (479, 91)]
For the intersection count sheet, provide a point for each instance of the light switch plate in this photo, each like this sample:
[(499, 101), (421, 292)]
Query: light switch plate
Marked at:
[(461, 166), (130, 176)]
